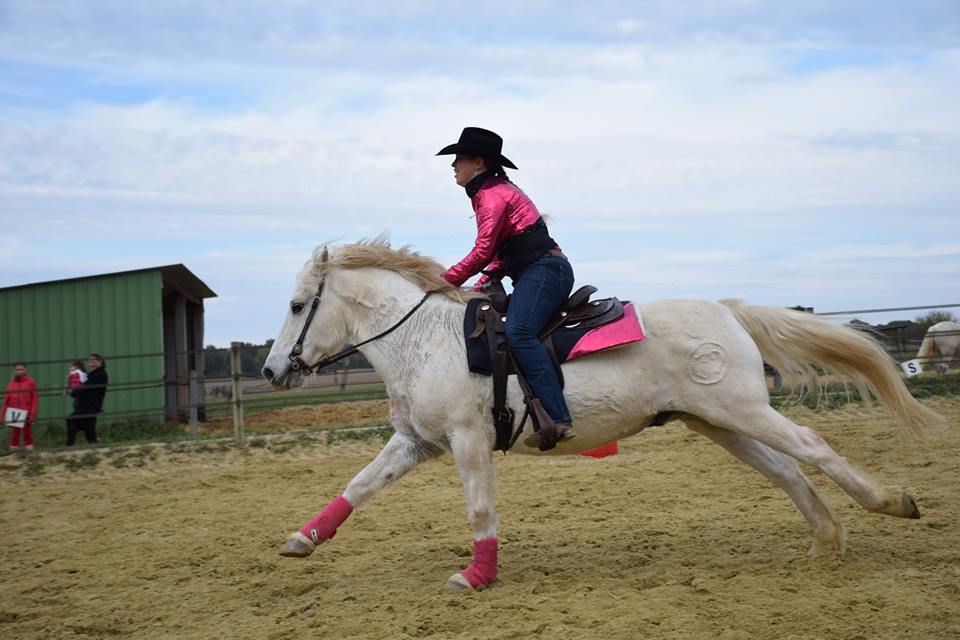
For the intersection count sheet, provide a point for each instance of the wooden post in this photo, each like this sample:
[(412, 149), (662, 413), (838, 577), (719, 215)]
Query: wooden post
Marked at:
[(238, 432), (169, 363), (182, 364), (194, 399), (199, 361)]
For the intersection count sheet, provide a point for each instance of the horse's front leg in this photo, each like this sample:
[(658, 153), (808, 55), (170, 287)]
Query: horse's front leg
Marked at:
[(472, 452), (401, 454)]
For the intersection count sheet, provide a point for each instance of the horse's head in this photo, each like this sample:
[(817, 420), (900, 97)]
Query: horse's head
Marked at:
[(315, 323), (346, 290)]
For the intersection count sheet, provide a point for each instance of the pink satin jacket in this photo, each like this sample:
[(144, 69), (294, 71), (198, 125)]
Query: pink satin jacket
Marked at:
[(503, 211)]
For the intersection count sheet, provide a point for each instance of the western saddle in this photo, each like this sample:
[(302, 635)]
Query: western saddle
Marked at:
[(491, 316)]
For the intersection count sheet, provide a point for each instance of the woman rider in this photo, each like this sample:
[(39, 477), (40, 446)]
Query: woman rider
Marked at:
[(512, 239)]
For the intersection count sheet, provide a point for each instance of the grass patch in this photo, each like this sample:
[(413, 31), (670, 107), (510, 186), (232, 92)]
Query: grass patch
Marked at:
[(301, 440), (34, 467), (834, 396), (282, 447), (378, 433), (277, 399), (140, 429), (88, 460), (927, 386), (305, 440)]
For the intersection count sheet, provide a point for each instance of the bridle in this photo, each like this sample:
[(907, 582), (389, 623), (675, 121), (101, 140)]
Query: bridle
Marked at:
[(298, 364)]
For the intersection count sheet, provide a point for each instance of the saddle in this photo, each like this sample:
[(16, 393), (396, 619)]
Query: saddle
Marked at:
[(485, 331)]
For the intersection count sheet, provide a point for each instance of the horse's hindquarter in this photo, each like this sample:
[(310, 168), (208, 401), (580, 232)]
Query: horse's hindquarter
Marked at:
[(947, 337), (700, 350), (695, 355)]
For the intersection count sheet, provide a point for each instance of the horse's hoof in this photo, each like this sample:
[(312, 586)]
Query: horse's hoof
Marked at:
[(910, 506), (458, 583), (297, 546), (836, 544)]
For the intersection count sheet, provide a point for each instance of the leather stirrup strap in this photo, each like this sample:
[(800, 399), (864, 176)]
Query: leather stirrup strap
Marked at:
[(548, 428), (542, 422), (552, 352), (503, 416)]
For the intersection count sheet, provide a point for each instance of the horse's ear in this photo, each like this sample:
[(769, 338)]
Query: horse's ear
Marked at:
[(324, 255)]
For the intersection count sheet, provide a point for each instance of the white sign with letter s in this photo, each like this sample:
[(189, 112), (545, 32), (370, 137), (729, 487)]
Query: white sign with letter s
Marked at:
[(911, 367)]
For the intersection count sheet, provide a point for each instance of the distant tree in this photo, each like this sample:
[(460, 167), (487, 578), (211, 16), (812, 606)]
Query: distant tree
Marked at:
[(216, 361), (926, 321), (252, 357), (262, 353), (249, 362)]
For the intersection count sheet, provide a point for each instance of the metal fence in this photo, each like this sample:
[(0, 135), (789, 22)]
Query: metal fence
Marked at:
[(198, 401), (902, 340), (203, 398)]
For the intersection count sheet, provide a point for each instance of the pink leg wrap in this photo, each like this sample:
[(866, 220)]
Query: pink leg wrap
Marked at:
[(324, 524), (483, 570)]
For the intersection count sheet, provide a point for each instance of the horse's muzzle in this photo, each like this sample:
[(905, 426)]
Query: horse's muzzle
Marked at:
[(283, 380)]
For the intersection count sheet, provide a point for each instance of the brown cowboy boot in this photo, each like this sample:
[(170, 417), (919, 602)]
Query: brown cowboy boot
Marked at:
[(564, 432)]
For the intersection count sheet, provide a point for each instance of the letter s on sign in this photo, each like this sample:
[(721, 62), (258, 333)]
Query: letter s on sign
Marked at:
[(911, 367)]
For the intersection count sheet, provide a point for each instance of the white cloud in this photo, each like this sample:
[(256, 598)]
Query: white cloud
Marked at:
[(628, 26), (646, 144), (893, 251), (691, 145)]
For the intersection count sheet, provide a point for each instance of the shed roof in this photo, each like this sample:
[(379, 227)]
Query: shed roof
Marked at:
[(176, 276)]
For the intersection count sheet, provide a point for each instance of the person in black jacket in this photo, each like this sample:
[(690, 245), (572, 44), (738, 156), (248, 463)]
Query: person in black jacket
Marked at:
[(89, 401)]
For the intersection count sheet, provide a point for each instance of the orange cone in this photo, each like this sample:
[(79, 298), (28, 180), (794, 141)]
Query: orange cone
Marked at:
[(609, 449)]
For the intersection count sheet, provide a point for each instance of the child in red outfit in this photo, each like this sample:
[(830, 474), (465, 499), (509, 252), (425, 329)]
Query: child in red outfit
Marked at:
[(21, 394), (77, 376)]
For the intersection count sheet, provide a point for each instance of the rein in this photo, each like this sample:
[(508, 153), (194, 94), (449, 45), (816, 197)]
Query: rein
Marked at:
[(298, 364)]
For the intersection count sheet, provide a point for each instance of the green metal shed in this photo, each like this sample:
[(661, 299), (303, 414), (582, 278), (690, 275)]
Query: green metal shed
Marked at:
[(146, 323)]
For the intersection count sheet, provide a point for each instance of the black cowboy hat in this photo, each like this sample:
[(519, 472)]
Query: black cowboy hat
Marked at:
[(475, 141)]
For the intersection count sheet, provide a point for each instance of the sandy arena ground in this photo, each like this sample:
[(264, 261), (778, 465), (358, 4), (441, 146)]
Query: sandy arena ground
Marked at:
[(670, 539)]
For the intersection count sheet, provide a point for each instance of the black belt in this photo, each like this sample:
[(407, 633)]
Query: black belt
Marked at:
[(525, 248)]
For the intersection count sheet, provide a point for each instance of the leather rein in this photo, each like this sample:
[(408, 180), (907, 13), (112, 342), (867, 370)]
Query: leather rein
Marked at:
[(298, 364)]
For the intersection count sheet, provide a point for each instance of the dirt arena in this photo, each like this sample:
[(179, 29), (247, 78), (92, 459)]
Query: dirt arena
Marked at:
[(670, 539)]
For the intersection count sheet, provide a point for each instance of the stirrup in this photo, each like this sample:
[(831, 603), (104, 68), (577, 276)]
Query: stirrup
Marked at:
[(533, 440)]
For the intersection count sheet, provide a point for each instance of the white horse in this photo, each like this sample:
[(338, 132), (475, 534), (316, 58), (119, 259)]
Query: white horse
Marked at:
[(702, 362), (943, 340)]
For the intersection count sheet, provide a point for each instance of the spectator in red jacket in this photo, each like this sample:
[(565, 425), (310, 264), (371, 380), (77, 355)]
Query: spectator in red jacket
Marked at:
[(21, 394)]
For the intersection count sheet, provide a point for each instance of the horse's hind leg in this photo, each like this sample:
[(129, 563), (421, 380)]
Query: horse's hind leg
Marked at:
[(763, 423), (783, 471)]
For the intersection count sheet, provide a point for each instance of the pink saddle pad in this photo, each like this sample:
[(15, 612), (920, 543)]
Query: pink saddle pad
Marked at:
[(616, 334)]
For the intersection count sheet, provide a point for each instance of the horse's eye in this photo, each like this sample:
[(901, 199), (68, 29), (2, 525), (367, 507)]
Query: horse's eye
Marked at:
[(296, 307)]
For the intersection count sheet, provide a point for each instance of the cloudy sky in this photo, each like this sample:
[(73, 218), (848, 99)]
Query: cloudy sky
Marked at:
[(784, 152)]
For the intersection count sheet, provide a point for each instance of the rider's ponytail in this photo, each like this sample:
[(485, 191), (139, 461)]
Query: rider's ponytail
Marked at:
[(494, 168)]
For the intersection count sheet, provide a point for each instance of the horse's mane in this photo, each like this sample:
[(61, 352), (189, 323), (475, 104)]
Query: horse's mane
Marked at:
[(377, 252)]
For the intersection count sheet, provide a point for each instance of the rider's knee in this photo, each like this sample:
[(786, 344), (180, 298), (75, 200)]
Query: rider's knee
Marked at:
[(520, 331)]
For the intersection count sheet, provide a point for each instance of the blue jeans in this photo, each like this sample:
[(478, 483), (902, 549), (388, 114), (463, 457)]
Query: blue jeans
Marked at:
[(538, 293)]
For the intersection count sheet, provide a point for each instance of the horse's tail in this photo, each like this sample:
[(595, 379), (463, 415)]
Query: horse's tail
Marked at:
[(928, 348), (795, 343)]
